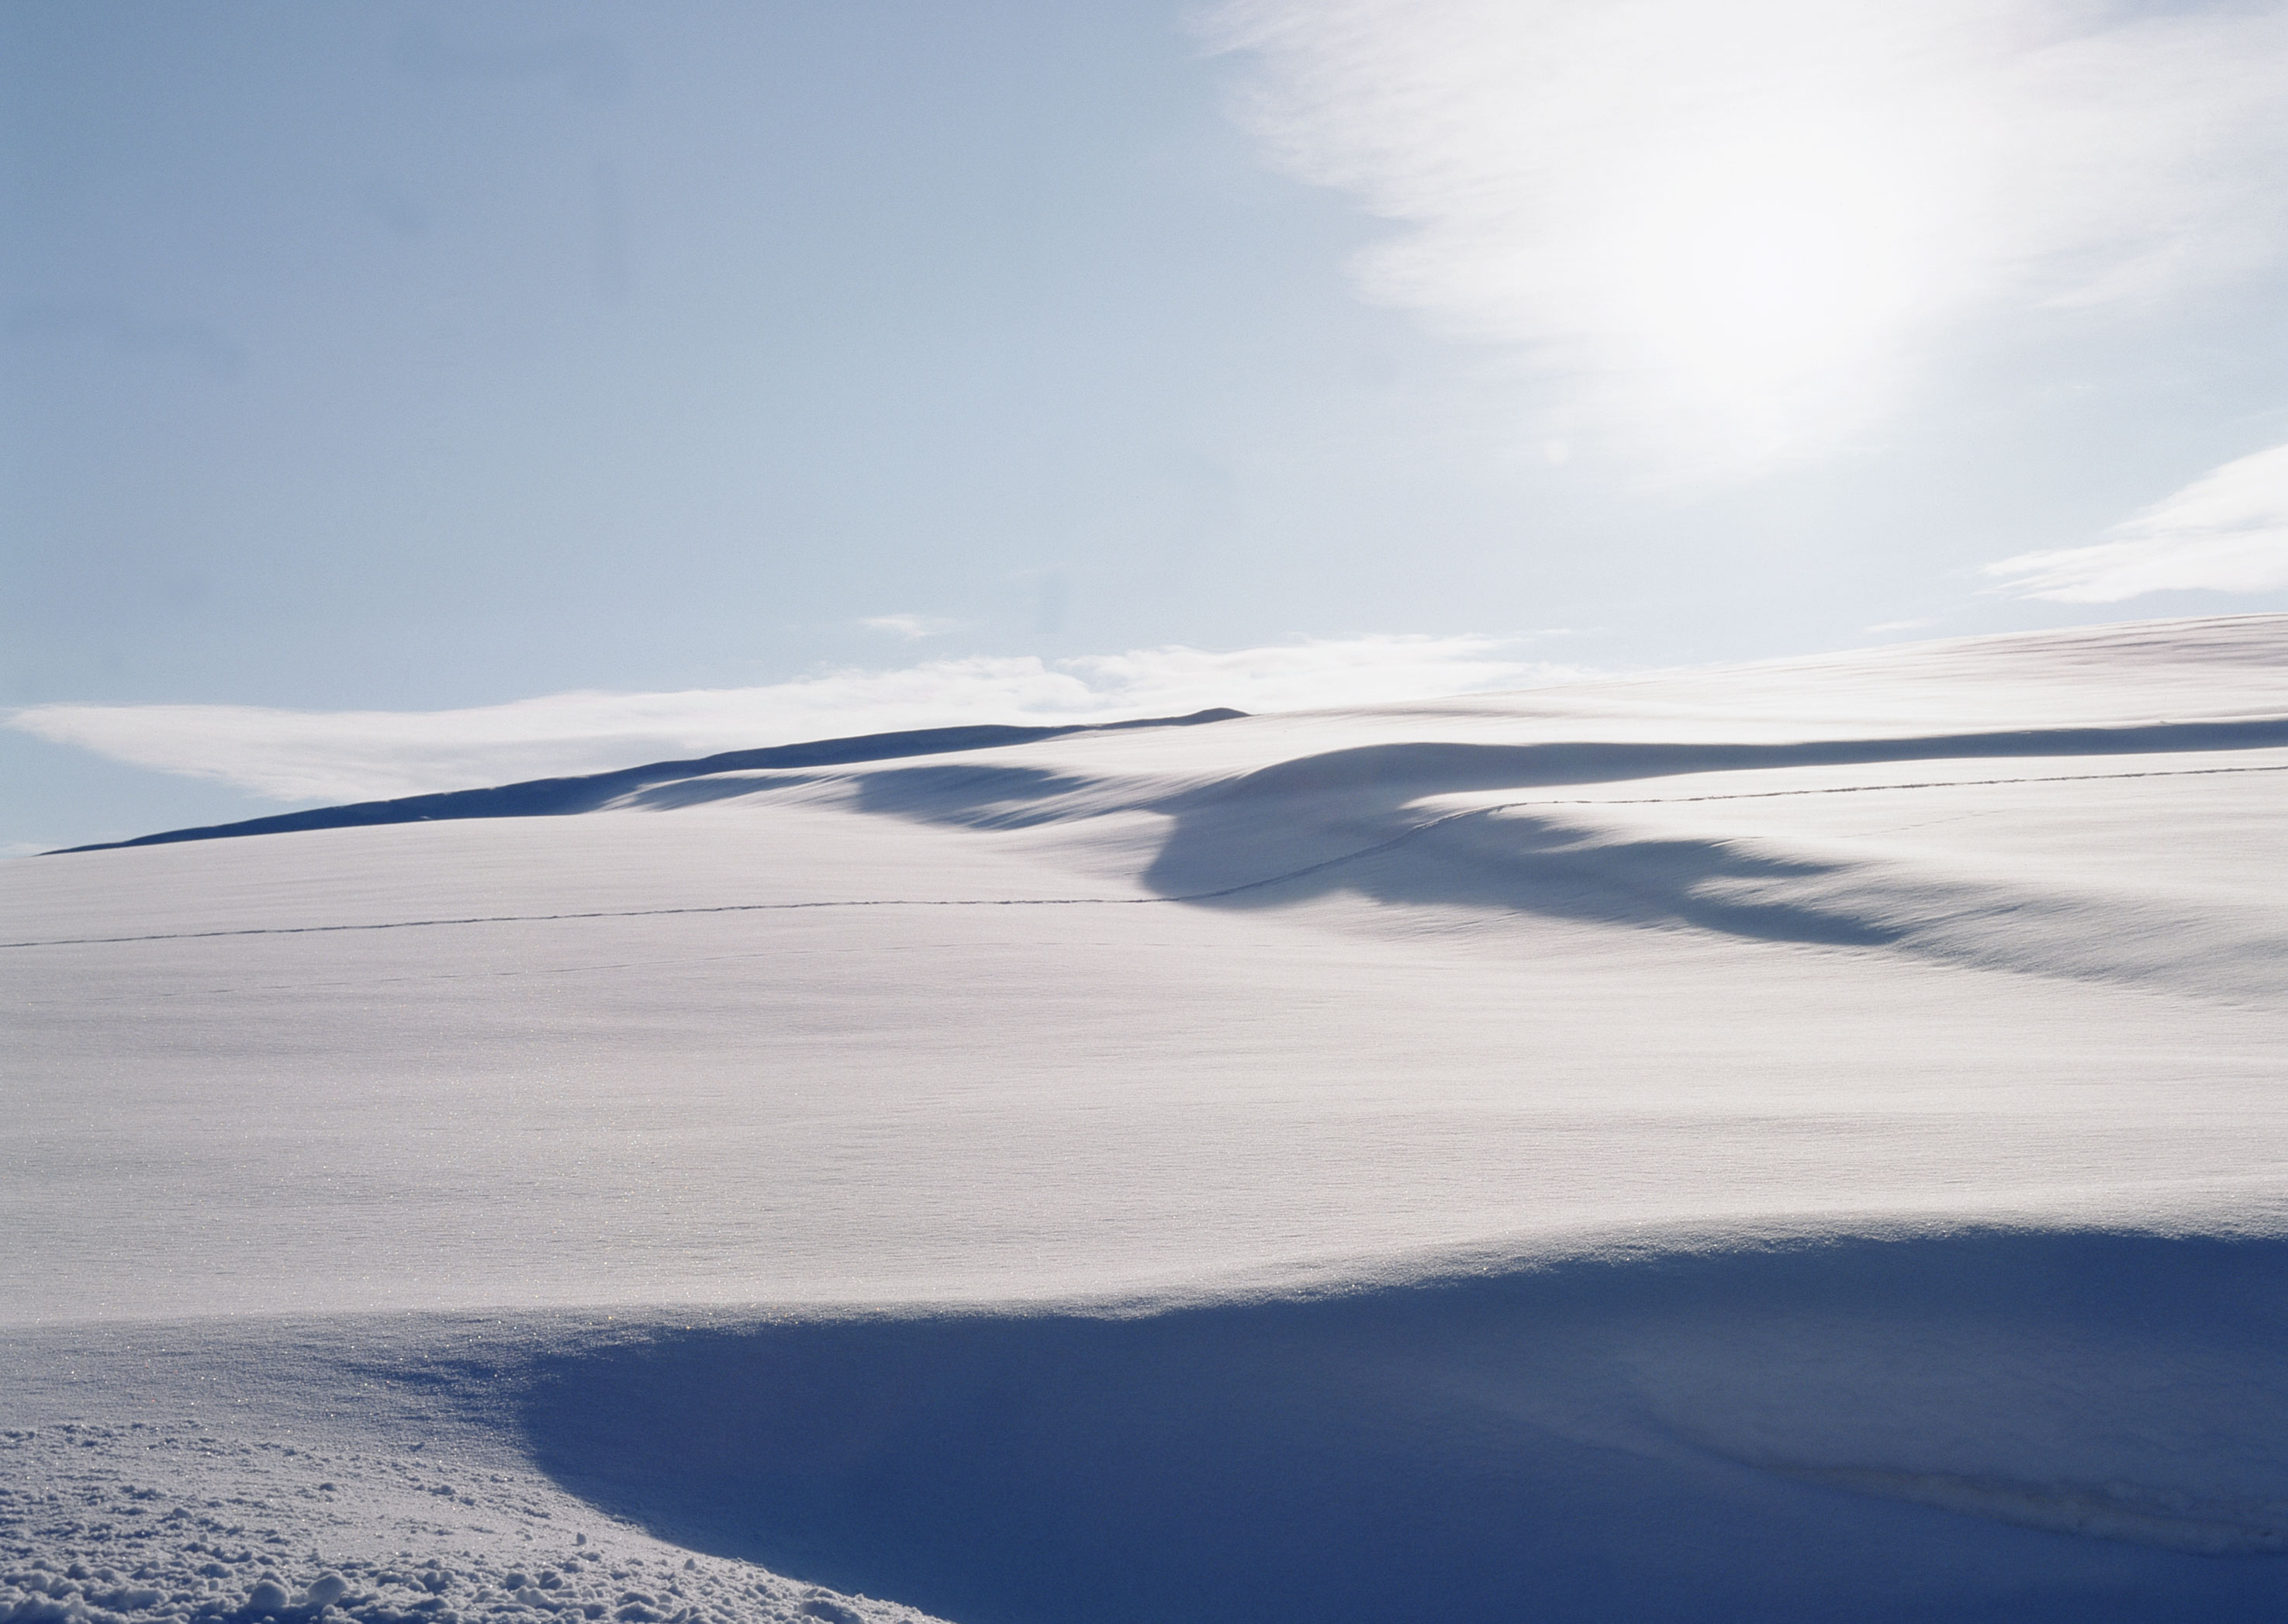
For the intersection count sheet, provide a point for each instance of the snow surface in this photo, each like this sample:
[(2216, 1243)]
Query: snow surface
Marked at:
[(1801, 1141)]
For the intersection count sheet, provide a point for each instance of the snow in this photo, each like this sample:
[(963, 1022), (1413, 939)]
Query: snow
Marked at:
[(1796, 1141)]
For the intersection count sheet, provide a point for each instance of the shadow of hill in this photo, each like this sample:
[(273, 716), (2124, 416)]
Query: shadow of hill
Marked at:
[(1657, 1438), (1538, 866), (553, 797), (976, 794), (1349, 819)]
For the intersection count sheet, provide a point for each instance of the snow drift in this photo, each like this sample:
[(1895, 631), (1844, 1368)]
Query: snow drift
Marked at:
[(1658, 1436)]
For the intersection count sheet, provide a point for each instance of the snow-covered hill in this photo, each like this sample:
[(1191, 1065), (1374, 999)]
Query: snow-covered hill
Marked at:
[(1794, 1141)]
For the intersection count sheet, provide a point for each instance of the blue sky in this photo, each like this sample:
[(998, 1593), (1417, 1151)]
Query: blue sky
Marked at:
[(398, 391)]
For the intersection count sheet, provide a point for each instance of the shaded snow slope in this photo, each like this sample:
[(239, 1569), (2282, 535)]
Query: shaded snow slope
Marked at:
[(1678, 1436), (1801, 1141), (557, 798), (1973, 1424)]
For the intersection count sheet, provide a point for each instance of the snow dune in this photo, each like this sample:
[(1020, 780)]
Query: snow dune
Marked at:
[(1796, 1141), (1648, 1437)]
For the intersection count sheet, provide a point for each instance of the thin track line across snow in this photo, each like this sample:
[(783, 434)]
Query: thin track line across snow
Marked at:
[(1201, 896)]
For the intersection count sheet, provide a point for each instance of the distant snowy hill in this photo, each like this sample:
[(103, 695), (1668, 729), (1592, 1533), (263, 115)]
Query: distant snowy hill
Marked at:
[(1799, 1141), (556, 797)]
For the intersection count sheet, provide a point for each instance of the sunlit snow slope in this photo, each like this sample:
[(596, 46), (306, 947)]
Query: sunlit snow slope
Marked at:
[(1795, 1141)]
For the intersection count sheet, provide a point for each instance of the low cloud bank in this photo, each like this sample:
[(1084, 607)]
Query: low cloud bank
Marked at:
[(372, 755), (2226, 531)]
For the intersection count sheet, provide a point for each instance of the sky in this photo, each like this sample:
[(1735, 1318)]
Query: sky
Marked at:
[(401, 397)]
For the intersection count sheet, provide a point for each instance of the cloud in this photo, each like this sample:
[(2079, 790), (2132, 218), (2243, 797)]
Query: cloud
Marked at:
[(1727, 228), (909, 625), (372, 755), (2226, 531)]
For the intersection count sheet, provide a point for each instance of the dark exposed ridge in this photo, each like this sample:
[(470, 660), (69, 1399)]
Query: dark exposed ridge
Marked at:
[(554, 797)]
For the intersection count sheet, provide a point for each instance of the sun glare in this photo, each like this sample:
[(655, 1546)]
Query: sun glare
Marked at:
[(1723, 234)]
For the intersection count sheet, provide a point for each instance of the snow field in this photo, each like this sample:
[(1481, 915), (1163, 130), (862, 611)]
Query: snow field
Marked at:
[(1801, 1142)]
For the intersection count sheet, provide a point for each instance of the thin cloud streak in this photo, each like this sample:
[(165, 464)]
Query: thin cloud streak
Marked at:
[(373, 755), (2227, 532), (911, 626), (1727, 228)]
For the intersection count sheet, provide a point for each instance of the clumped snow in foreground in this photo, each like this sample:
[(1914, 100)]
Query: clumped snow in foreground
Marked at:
[(279, 1509), (1796, 1142)]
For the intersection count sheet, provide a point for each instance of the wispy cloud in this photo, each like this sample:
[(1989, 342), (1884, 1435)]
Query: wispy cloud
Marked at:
[(2227, 532), (1727, 227), (369, 755), (909, 625)]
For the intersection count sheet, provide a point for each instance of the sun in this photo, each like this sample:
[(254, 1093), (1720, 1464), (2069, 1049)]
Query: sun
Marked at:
[(1769, 273)]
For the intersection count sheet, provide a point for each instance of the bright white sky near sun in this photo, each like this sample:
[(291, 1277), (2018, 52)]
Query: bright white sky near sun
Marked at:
[(611, 378)]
